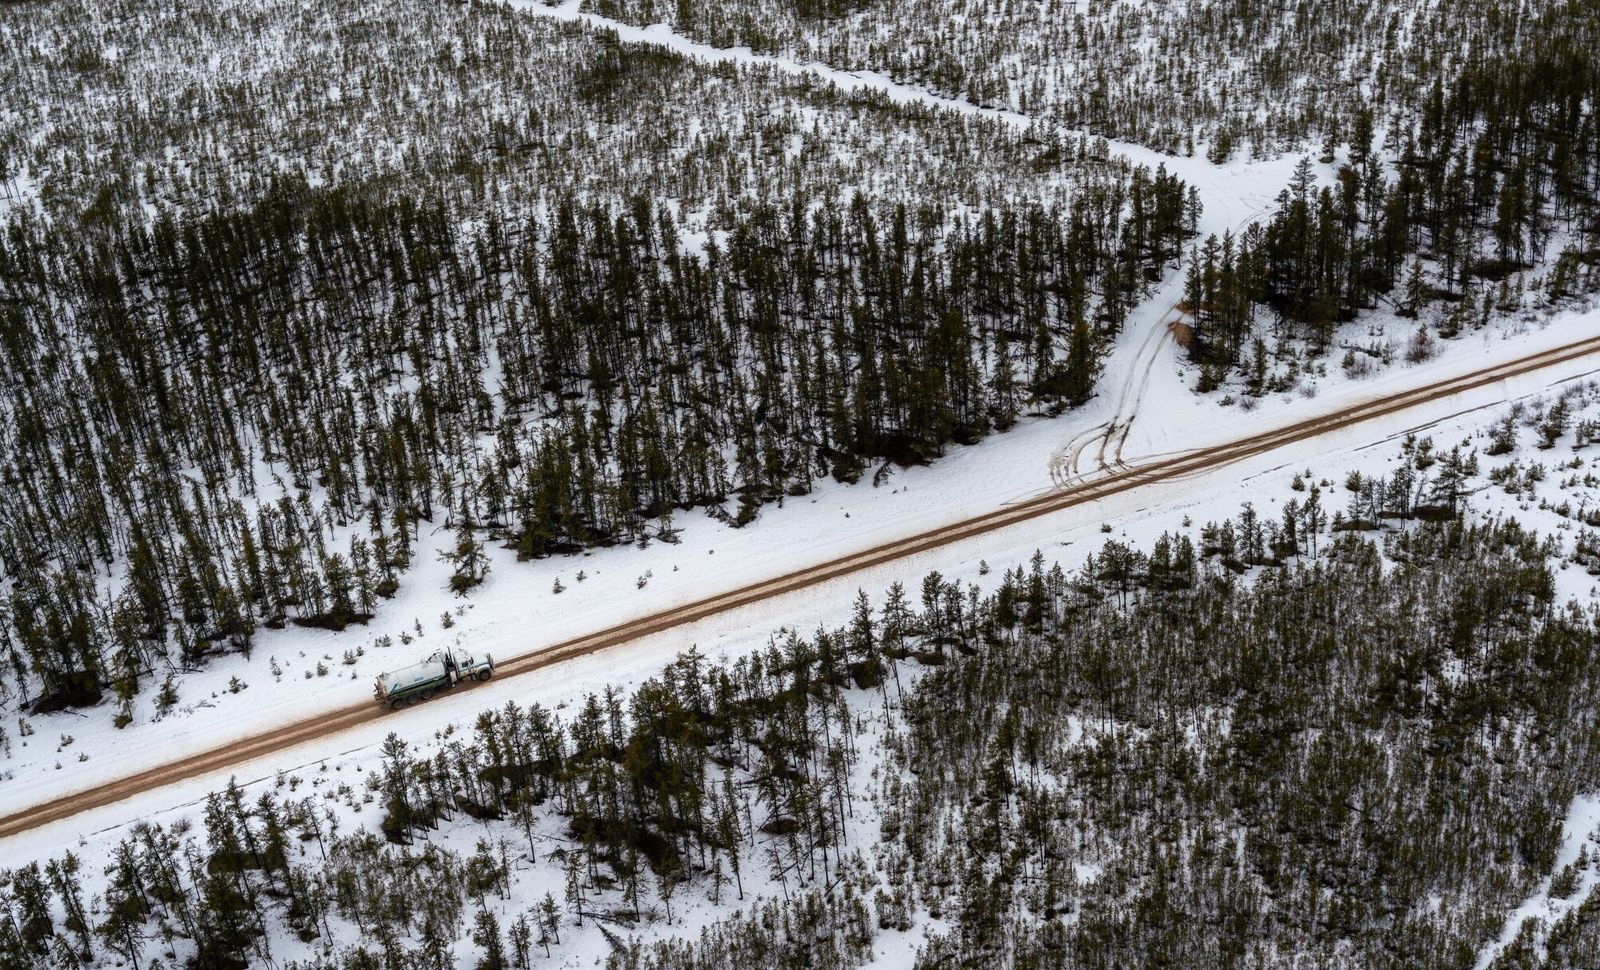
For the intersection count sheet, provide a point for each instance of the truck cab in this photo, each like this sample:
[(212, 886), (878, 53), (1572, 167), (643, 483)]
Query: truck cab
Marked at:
[(464, 665)]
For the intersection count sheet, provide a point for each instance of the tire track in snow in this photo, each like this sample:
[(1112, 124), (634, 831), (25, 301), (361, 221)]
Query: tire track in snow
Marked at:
[(871, 82), (1065, 467), (1120, 479), (661, 35), (1180, 466)]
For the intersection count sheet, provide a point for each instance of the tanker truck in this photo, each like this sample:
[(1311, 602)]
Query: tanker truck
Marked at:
[(441, 671)]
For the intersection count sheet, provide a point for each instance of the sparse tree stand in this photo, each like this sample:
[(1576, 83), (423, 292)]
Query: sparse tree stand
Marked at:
[(1338, 739), (1087, 657)]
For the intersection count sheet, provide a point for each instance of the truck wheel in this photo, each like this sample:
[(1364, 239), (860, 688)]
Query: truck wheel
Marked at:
[(484, 674), (426, 694), (397, 703)]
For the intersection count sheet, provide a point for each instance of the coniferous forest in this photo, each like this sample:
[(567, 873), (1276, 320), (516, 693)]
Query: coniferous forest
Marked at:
[(299, 299), (1279, 740), (1465, 134), (1503, 173), (239, 396), (545, 287)]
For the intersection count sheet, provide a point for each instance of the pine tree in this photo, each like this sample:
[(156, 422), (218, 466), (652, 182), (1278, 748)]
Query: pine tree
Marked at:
[(486, 934), (470, 563)]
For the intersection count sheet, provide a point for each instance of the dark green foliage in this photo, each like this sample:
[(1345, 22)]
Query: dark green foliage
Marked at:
[(1360, 753), (446, 265), (634, 378), (1505, 155)]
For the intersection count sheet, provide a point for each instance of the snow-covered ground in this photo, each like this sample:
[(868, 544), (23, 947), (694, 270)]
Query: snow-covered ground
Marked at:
[(517, 607), (17, 191), (1219, 185), (1580, 835), (850, 81), (1144, 394)]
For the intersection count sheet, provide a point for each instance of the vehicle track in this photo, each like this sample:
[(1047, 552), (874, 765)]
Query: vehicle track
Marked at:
[(1111, 438), (1178, 466)]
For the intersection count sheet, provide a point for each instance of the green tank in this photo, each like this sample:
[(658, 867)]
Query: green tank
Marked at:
[(441, 671)]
